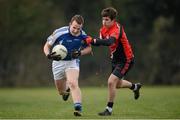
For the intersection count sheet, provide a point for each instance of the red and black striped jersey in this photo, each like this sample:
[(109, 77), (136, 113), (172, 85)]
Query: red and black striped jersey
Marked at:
[(121, 50)]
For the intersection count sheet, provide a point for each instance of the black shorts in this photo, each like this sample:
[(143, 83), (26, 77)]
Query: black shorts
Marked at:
[(121, 69)]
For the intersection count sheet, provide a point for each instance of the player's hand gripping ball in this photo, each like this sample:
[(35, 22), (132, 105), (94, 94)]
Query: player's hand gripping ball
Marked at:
[(60, 50)]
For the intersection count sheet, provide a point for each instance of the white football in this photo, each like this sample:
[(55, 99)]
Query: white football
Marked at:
[(60, 50)]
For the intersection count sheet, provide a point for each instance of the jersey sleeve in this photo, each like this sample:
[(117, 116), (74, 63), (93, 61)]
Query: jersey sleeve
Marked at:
[(124, 34), (52, 38), (57, 33)]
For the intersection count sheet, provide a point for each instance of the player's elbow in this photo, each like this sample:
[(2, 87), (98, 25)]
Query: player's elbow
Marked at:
[(46, 48)]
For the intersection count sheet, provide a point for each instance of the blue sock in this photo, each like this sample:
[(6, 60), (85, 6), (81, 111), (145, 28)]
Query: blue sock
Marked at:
[(78, 106)]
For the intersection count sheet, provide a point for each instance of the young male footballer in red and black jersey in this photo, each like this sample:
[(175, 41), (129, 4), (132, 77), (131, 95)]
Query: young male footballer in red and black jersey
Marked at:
[(112, 34)]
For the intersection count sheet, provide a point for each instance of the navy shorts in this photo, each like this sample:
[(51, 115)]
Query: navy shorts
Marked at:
[(121, 69)]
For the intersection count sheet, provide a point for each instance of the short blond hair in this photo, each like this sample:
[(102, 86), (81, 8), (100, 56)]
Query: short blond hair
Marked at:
[(78, 18)]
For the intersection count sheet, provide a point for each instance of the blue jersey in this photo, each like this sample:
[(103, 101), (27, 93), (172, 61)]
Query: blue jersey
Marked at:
[(64, 37)]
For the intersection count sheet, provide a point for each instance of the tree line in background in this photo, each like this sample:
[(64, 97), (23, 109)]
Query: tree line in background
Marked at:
[(152, 28)]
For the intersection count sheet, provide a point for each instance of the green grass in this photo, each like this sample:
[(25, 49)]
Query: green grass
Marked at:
[(34, 103)]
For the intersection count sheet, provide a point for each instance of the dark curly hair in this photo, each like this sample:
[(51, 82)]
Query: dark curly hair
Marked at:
[(109, 12)]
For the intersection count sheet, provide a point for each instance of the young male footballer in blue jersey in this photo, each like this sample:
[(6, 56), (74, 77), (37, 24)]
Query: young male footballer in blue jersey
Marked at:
[(66, 71)]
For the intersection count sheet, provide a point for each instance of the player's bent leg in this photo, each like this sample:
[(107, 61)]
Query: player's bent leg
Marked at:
[(126, 84), (123, 84), (62, 89)]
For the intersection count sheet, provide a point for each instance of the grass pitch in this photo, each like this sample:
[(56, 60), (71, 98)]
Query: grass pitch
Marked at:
[(44, 103)]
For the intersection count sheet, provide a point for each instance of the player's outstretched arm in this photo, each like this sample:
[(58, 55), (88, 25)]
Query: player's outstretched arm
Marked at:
[(98, 41), (104, 42)]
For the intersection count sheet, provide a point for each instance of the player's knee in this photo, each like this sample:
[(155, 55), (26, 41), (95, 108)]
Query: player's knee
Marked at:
[(72, 84), (119, 84), (111, 84)]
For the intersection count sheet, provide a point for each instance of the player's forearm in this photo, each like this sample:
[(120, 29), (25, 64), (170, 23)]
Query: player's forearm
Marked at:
[(104, 42), (46, 49)]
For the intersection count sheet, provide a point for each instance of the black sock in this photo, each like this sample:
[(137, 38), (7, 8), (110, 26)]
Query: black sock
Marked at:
[(132, 87), (110, 104)]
